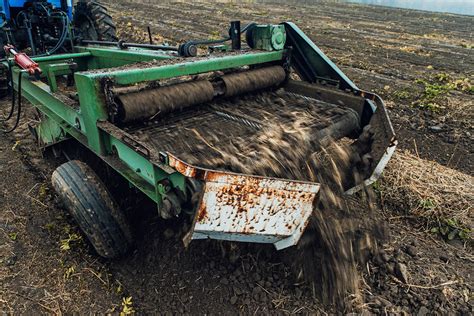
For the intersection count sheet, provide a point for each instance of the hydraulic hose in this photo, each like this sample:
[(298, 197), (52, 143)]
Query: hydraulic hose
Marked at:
[(18, 113), (12, 107), (45, 9), (62, 38)]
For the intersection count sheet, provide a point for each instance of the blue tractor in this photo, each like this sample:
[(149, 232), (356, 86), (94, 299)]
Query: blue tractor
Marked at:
[(45, 27)]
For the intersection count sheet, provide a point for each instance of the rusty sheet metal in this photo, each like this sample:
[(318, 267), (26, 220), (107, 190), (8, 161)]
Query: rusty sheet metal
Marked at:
[(384, 144), (248, 208)]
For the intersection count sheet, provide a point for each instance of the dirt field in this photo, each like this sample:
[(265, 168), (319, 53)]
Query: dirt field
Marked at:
[(421, 64)]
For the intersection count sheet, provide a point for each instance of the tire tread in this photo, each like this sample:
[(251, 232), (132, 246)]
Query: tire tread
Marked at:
[(91, 205)]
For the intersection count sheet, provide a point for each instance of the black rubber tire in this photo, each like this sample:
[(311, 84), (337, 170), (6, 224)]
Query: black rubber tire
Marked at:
[(93, 22), (91, 205)]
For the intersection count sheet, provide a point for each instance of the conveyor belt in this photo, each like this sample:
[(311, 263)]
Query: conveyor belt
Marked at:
[(200, 135)]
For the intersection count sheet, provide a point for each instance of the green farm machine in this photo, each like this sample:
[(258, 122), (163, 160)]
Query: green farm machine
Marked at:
[(133, 106)]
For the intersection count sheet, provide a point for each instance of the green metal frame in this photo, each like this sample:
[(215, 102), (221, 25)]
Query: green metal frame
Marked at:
[(49, 132), (86, 121), (161, 176)]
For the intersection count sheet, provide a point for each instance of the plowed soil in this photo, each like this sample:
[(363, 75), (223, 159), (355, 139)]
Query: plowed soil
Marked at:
[(47, 266)]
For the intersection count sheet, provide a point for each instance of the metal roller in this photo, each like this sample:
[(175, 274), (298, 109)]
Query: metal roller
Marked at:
[(157, 102), (163, 100), (252, 80)]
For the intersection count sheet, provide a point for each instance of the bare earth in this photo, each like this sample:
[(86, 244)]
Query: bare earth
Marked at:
[(46, 265)]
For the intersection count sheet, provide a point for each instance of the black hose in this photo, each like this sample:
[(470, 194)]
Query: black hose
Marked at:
[(18, 113), (45, 9), (62, 38), (21, 13), (247, 27), (12, 107)]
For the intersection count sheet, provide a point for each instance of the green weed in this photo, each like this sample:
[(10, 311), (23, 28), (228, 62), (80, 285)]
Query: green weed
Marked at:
[(433, 90), (402, 94), (119, 289), (377, 187), (43, 192), (13, 236), (49, 226), (442, 77), (215, 35), (439, 86), (450, 228), (427, 204), (65, 244)]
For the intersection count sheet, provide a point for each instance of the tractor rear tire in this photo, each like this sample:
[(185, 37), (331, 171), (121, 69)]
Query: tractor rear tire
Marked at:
[(93, 22), (91, 205)]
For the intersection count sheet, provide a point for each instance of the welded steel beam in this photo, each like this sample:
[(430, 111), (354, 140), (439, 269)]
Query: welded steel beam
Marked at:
[(136, 74)]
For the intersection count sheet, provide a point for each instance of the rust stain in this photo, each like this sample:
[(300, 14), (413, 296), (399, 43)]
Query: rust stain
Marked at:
[(202, 213), (244, 193), (181, 167), (246, 197)]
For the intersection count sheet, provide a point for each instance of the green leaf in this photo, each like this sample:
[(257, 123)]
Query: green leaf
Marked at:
[(13, 236), (452, 234), (451, 222), (444, 230), (463, 234)]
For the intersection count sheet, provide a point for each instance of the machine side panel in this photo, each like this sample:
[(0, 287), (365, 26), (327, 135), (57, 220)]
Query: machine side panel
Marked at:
[(311, 63)]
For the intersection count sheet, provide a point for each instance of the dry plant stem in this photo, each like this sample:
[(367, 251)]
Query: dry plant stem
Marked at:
[(422, 286), (429, 190), (53, 311)]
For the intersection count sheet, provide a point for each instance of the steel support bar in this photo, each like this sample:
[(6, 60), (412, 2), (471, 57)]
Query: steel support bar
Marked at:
[(139, 166), (39, 94), (136, 169), (61, 57), (54, 70), (123, 45), (134, 75), (145, 169), (92, 109), (115, 57), (128, 171)]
